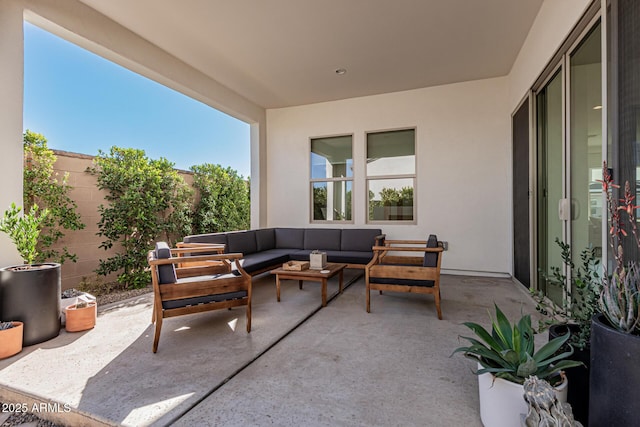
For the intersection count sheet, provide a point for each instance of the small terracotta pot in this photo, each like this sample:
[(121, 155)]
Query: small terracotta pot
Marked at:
[(11, 340), (81, 319)]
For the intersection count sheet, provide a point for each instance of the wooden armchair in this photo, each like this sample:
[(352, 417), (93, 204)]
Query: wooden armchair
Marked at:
[(402, 273), (185, 281)]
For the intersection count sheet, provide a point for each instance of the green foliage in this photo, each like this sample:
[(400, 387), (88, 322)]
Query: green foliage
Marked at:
[(148, 201), (582, 299), (508, 351), (43, 187), (620, 295), (224, 200), (24, 230)]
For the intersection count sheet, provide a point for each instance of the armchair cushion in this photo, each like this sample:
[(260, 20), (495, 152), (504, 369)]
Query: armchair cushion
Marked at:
[(186, 302), (431, 258), (405, 282), (167, 272)]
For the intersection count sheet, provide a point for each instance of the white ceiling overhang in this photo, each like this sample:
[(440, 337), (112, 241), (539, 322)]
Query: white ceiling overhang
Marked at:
[(280, 53)]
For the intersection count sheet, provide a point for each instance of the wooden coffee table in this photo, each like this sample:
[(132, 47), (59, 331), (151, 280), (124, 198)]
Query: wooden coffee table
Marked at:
[(312, 276)]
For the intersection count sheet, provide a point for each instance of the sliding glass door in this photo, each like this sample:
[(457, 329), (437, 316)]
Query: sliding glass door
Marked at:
[(550, 132), (585, 136), (569, 161)]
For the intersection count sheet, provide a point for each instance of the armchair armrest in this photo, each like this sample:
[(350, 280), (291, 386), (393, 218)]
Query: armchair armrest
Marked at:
[(192, 259), (406, 249)]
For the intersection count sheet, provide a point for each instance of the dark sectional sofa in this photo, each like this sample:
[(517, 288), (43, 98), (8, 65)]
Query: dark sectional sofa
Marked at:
[(268, 248)]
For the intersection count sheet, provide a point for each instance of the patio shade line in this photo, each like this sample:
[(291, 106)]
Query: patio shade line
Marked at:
[(250, 362)]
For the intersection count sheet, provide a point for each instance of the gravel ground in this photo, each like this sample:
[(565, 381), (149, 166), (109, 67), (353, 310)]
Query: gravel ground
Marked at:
[(121, 295), (18, 418)]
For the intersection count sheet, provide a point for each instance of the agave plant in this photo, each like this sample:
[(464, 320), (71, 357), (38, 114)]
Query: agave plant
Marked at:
[(508, 351), (620, 299), (620, 295), (5, 325)]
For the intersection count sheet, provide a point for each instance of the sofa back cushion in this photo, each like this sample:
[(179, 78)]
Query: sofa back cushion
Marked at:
[(322, 238), (243, 242), (359, 239), (265, 239), (289, 238), (166, 272), (216, 238)]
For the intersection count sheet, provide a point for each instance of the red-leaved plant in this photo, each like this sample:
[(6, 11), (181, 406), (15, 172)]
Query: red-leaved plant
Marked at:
[(620, 296)]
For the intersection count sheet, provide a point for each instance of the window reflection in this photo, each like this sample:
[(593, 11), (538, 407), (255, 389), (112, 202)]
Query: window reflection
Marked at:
[(391, 169), (331, 178), (332, 201)]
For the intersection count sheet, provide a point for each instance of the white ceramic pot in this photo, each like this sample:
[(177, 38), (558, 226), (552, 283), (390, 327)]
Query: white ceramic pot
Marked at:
[(502, 402)]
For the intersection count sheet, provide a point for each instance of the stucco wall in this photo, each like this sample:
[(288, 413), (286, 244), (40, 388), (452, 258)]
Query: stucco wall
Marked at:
[(463, 157), (553, 24), (85, 243)]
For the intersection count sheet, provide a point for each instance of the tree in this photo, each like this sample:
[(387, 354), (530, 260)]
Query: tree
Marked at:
[(147, 199), (43, 187), (224, 199)]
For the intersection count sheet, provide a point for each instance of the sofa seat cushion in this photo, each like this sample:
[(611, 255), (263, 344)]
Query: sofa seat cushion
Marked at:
[(405, 282), (261, 260), (349, 257), (343, 257), (185, 302)]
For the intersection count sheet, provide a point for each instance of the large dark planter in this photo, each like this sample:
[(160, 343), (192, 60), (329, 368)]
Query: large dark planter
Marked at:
[(578, 393), (615, 375), (32, 297)]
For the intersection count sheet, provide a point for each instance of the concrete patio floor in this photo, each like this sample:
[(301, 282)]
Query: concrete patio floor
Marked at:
[(300, 365)]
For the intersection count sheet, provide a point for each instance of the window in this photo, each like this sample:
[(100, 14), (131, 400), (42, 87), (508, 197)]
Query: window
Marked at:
[(391, 175), (331, 178)]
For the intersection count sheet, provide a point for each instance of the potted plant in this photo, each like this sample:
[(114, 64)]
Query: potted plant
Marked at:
[(574, 316), (81, 316), (69, 297), (615, 333), (30, 293), (10, 339), (506, 357)]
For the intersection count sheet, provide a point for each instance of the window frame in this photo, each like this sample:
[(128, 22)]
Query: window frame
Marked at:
[(413, 177), (327, 180)]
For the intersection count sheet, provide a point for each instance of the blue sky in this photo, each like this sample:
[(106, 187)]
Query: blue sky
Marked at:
[(82, 103)]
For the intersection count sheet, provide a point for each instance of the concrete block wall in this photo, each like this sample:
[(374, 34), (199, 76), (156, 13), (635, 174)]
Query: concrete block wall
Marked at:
[(85, 243)]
